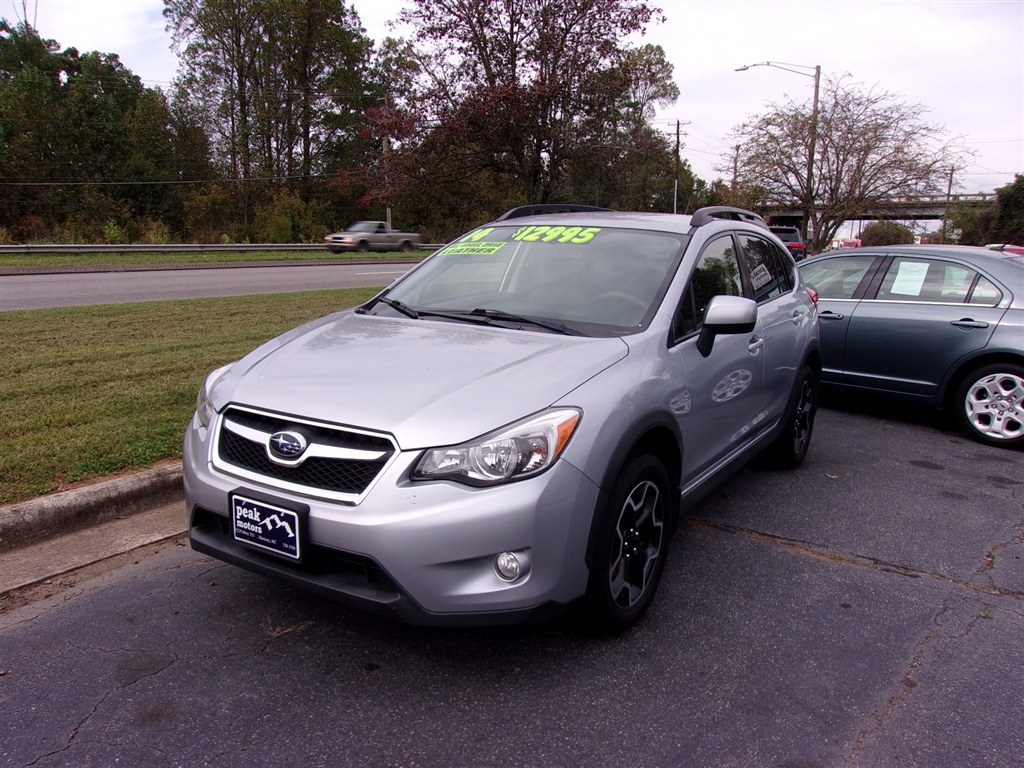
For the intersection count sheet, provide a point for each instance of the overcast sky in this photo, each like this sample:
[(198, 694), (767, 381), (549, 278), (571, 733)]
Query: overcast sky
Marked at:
[(962, 59)]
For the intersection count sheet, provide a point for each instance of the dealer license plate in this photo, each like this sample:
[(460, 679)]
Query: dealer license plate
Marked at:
[(266, 526)]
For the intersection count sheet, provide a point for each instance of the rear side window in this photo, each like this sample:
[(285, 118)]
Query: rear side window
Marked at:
[(985, 293), (717, 274), (770, 271), (934, 281), (836, 278)]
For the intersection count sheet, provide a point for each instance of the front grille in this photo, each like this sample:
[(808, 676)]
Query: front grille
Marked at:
[(330, 476)]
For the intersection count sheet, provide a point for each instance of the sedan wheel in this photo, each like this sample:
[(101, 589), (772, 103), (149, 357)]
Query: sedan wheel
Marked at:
[(990, 405), (632, 546)]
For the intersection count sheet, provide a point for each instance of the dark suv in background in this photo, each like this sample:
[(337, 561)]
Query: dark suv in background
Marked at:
[(793, 239)]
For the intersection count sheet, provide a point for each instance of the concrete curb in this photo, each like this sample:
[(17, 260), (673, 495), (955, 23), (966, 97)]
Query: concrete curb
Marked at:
[(44, 517)]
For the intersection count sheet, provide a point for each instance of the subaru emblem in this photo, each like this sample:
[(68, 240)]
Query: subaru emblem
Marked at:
[(287, 444)]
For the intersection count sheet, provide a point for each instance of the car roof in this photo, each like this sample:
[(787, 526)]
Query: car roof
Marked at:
[(665, 222), (587, 216), (1004, 266)]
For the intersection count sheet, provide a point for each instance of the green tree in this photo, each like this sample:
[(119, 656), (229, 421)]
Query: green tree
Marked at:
[(1008, 226), (282, 83), (871, 148), (74, 128), (886, 233), (520, 89)]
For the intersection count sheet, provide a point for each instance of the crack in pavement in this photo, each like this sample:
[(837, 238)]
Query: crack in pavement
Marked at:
[(907, 685), (863, 561), (136, 676)]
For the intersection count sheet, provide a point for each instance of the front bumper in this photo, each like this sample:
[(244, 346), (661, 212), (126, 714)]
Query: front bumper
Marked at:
[(420, 552)]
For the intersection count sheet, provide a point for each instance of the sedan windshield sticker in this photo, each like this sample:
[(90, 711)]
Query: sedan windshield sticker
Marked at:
[(544, 234), (910, 278)]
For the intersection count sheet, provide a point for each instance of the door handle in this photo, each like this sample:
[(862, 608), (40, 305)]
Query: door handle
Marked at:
[(828, 314), (755, 343), (969, 323)]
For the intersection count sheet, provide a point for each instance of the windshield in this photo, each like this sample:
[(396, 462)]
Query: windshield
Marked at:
[(363, 226), (597, 280)]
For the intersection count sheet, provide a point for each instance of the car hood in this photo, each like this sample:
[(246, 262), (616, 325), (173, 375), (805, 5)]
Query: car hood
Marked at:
[(426, 382)]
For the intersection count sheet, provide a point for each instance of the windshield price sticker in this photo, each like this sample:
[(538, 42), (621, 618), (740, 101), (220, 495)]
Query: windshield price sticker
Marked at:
[(545, 234), (484, 249)]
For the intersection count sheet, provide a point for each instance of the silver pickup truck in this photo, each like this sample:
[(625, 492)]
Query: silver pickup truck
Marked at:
[(371, 236)]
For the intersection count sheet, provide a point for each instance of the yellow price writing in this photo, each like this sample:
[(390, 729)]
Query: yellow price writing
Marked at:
[(545, 234)]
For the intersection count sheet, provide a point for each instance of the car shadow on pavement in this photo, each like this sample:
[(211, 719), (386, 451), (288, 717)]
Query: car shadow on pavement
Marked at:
[(890, 410)]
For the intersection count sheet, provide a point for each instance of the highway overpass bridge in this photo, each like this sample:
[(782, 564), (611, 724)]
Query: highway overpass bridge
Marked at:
[(904, 209)]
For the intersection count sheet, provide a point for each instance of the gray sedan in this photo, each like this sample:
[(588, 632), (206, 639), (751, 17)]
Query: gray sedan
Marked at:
[(939, 325)]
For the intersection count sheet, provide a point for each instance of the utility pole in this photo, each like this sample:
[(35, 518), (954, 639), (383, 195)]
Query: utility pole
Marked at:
[(675, 189), (945, 212), (735, 172), (808, 201)]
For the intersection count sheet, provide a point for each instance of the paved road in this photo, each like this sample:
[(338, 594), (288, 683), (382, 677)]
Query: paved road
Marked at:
[(866, 610), (61, 290)]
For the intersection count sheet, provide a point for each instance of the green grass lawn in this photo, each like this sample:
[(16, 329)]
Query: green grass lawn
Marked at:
[(91, 391)]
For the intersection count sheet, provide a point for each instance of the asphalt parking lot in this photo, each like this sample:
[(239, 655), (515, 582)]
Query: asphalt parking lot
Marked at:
[(864, 610)]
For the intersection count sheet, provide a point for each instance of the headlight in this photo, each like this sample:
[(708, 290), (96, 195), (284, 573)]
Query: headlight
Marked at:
[(513, 453), (204, 408)]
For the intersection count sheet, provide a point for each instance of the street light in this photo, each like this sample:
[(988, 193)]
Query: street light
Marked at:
[(809, 197)]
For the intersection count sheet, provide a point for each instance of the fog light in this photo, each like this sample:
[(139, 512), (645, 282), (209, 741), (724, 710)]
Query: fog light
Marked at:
[(512, 566)]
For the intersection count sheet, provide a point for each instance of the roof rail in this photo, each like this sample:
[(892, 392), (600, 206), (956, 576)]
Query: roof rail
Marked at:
[(705, 215), (530, 210)]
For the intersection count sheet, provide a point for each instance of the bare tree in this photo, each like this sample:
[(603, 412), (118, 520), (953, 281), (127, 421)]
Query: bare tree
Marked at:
[(871, 148)]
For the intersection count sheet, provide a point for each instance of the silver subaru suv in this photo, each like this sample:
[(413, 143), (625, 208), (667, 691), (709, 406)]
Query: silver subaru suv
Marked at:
[(516, 425)]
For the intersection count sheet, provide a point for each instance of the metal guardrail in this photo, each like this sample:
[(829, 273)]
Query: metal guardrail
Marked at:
[(179, 247)]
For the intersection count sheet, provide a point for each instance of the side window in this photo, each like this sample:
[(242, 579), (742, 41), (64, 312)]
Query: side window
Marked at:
[(717, 273), (910, 279), (380, 229), (770, 271), (836, 278), (986, 293)]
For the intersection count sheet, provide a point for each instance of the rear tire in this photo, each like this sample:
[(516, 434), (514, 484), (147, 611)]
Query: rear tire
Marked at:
[(990, 405), (790, 448), (632, 546)]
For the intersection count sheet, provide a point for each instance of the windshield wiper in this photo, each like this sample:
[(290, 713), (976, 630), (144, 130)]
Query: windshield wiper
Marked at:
[(399, 306), (508, 317), (479, 316)]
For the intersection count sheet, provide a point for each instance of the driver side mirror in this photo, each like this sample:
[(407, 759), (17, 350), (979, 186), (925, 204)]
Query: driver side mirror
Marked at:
[(726, 315)]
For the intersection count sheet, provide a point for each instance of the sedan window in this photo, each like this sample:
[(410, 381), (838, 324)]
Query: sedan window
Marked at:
[(836, 278), (929, 280), (985, 293)]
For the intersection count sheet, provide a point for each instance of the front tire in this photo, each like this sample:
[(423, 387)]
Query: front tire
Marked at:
[(990, 405), (632, 546)]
